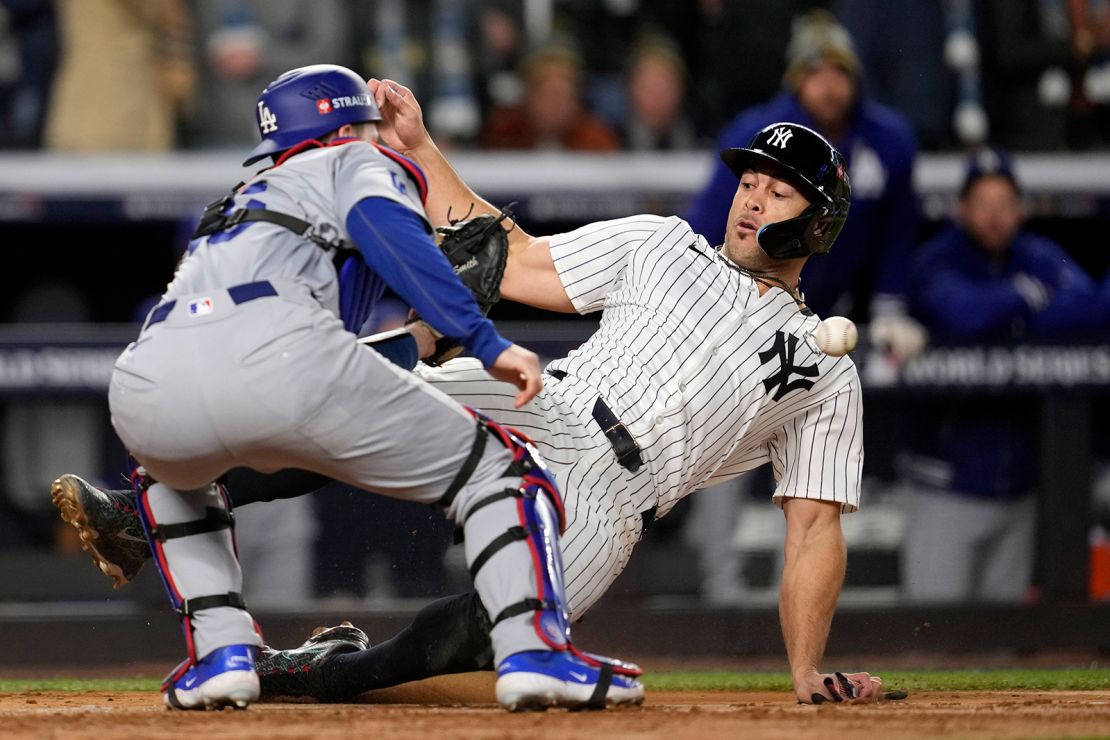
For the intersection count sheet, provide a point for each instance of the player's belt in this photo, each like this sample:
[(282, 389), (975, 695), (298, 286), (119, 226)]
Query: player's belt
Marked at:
[(238, 294), (624, 445)]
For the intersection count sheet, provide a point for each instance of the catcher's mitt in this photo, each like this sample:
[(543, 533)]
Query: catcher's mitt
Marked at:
[(478, 249)]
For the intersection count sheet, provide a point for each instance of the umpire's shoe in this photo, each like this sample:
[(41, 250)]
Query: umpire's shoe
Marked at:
[(297, 672), (107, 523), (223, 678), (538, 679)]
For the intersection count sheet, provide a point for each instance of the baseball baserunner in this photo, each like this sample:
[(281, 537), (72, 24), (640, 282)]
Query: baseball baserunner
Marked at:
[(249, 359), (703, 367)]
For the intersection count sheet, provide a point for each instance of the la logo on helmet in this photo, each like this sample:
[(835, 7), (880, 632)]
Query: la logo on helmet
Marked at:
[(267, 121), (779, 137)]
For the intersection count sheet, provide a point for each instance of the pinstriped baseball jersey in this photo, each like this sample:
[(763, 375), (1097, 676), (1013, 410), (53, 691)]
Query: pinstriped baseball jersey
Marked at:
[(711, 378)]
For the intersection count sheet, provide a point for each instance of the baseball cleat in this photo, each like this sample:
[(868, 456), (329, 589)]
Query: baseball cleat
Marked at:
[(107, 524), (538, 679), (224, 678), (296, 672)]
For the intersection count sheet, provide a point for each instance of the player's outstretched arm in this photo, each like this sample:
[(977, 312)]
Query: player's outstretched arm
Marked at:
[(811, 581), (815, 559), (402, 128), (530, 275)]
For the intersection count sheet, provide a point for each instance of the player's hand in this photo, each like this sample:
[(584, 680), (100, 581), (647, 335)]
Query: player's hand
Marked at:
[(818, 688), (402, 125), (424, 335), (902, 336), (521, 367)]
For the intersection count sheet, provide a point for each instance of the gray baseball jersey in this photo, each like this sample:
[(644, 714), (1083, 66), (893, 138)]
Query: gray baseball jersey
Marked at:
[(710, 378), (319, 186), (246, 363)]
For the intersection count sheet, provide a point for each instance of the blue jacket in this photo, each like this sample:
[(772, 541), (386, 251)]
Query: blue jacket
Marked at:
[(961, 295), (872, 253), (988, 444)]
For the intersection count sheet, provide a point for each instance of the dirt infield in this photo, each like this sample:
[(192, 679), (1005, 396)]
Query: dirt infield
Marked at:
[(461, 707)]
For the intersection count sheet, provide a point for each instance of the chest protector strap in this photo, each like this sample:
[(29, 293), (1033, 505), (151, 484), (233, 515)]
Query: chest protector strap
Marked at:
[(214, 220)]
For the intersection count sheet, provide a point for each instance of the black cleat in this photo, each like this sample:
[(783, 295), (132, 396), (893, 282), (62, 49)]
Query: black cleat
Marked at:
[(107, 523), (296, 672)]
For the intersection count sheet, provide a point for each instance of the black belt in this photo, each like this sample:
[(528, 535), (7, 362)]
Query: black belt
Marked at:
[(624, 445), (239, 294)]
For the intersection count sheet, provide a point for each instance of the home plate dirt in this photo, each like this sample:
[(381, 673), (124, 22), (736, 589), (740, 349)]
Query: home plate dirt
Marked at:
[(462, 707)]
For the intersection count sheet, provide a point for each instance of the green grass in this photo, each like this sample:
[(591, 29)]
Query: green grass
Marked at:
[(80, 684), (1074, 679)]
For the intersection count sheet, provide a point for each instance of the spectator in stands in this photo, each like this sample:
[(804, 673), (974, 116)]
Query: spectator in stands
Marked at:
[(246, 43), (656, 87), (500, 51), (1032, 55), (1089, 104), (553, 114), (29, 43), (972, 476), (126, 75), (901, 46), (737, 56), (866, 281)]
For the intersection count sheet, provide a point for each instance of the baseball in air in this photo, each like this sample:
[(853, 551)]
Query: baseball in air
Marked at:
[(836, 336)]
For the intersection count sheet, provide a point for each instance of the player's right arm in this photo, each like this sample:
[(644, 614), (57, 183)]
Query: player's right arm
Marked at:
[(393, 242), (530, 274)]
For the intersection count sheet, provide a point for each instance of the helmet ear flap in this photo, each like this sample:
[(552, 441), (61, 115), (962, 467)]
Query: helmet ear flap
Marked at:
[(811, 232)]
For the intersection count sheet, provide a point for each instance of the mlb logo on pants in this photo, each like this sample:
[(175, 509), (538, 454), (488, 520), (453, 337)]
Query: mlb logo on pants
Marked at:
[(200, 307)]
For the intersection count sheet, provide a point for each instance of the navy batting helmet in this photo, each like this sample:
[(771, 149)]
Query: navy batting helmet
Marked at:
[(813, 165), (308, 102)]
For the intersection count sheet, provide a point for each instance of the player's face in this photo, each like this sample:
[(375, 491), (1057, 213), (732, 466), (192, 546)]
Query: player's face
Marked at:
[(827, 93), (762, 197), (992, 213)]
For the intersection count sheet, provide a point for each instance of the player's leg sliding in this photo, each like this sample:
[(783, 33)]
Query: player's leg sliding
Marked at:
[(192, 539), (298, 672), (449, 635), (513, 520)]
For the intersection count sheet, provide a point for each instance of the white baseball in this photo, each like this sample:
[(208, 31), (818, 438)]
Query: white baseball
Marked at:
[(836, 336)]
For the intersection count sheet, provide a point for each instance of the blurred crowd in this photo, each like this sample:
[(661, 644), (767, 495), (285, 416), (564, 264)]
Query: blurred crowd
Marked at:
[(882, 80), (595, 75)]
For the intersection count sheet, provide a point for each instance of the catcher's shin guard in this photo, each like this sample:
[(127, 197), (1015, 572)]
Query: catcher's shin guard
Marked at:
[(191, 536), (512, 526)]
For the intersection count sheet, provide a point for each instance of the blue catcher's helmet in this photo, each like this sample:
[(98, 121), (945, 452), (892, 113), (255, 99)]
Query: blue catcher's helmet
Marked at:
[(308, 102)]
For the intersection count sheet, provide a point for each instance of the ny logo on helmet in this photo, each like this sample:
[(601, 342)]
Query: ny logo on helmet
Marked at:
[(267, 121), (779, 137)]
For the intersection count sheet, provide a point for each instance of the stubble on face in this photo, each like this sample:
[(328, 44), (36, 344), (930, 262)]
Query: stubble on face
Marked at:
[(762, 197)]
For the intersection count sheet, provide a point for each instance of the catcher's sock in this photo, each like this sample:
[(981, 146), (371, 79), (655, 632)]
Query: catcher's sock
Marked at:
[(246, 486), (450, 635)]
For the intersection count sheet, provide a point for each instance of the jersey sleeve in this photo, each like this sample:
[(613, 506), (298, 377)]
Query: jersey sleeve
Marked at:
[(591, 260), (818, 454), (363, 171)]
